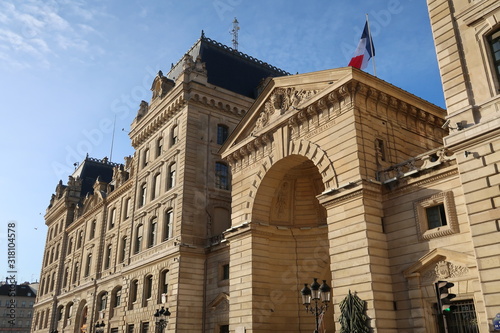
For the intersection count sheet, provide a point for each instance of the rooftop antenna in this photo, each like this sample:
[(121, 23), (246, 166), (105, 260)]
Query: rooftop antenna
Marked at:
[(112, 139), (234, 32)]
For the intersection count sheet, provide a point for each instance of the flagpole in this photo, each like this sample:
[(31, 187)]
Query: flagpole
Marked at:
[(371, 46)]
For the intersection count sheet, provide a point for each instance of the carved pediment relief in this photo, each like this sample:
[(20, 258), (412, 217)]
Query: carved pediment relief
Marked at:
[(444, 270), (281, 101), (440, 264)]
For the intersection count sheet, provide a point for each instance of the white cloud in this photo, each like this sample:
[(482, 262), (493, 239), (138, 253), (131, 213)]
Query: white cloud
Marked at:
[(38, 31)]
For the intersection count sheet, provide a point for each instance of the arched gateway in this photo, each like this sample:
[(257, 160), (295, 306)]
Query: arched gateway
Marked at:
[(306, 200)]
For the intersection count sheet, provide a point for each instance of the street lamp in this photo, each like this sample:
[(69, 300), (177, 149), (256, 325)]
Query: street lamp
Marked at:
[(161, 319), (99, 328), (320, 294)]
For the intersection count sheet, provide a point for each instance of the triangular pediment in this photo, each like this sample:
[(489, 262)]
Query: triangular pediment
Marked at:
[(441, 264), (282, 98), (222, 300)]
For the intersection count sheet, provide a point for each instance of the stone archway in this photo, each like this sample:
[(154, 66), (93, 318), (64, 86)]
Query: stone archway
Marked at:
[(82, 324), (289, 240)]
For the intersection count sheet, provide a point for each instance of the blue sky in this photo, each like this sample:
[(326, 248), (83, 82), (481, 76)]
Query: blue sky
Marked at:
[(69, 68)]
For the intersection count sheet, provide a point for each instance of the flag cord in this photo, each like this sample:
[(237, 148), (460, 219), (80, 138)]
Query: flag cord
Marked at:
[(371, 46)]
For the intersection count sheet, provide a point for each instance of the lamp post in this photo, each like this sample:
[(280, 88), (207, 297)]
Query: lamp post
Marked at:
[(161, 319), (99, 327), (320, 294)]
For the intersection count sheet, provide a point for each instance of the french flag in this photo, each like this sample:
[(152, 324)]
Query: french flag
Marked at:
[(365, 50)]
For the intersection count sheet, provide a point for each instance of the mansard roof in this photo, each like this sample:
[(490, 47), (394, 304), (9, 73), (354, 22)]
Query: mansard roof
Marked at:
[(22, 290), (91, 169), (228, 68)]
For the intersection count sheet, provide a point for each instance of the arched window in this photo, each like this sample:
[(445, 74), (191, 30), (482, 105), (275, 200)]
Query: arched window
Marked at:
[(88, 265), (42, 316), (47, 284), (103, 301), (51, 256), (46, 323), (76, 271), (159, 146), (126, 208), (60, 312), (134, 286), (168, 224), (156, 186), (123, 247), (163, 287), (47, 257), (145, 157), (222, 133), (142, 194), (70, 245), (221, 176), (52, 281), (80, 240), (117, 297), (69, 310), (138, 238), (153, 228), (107, 257), (42, 284), (37, 317), (57, 252), (66, 276), (148, 289), (93, 227), (112, 218), (174, 135), (171, 175)]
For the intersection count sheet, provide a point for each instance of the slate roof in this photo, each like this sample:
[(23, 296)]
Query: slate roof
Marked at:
[(90, 169), (22, 290), (228, 68)]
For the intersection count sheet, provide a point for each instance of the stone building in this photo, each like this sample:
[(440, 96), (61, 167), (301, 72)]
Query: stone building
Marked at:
[(16, 302), (335, 175)]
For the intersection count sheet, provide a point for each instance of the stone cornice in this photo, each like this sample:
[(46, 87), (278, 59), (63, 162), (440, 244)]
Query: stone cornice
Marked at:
[(157, 115), (267, 230), (477, 11), (410, 185), (217, 103), (120, 190), (350, 191), (329, 104)]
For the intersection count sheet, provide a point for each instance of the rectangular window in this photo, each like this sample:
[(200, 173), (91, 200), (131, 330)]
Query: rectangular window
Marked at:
[(156, 186), (145, 328), (222, 133), (126, 207), (436, 216), (494, 41), (225, 272), (130, 328), (221, 176)]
